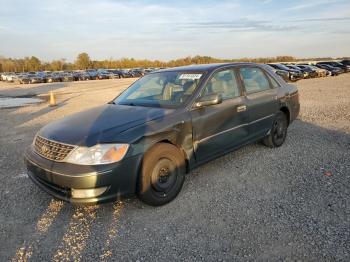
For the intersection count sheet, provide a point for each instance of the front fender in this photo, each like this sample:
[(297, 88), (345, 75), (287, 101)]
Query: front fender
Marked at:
[(175, 129)]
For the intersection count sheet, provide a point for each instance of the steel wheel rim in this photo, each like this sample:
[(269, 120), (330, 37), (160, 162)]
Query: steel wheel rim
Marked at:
[(164, 176)]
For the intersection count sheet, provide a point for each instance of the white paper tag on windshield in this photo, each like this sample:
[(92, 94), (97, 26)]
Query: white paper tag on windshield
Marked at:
[(190, 76)]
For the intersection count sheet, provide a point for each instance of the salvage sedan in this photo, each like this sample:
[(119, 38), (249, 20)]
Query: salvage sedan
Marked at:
[(164, 125)]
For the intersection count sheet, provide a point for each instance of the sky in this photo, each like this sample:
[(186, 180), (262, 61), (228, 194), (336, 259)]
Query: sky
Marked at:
[(112, 29)]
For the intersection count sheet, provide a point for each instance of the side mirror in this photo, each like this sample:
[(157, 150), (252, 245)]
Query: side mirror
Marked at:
[(208, 100)]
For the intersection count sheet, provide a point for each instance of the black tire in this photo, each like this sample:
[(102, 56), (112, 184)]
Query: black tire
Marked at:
[(278, 132), (162, 175)]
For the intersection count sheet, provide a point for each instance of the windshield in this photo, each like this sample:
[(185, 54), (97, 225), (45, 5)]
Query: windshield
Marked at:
[(163, 89)]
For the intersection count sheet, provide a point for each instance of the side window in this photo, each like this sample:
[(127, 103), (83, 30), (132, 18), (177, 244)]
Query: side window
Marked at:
[(224, 83), (273, 81), (254, 79)]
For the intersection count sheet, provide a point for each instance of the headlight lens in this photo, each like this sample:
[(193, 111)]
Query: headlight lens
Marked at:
[(98, 155)]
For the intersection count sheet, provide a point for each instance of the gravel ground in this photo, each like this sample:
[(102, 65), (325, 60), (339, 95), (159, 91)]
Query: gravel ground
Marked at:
[(290, 203)]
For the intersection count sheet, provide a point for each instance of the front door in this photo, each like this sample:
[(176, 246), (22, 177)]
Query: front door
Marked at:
[(218, 128)]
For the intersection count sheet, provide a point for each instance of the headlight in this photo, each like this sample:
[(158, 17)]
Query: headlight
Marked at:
[(98, 155)]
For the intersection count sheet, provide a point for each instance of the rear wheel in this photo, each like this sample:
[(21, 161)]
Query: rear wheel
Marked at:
[(162, 175), (278, 132)]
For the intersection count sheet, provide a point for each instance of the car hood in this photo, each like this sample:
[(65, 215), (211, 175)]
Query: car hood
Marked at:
[(101, 124)]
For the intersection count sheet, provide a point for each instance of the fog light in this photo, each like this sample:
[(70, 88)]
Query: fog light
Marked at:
[(88, 193)]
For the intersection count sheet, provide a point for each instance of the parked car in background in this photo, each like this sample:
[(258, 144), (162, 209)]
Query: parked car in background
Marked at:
[(36, 79), (126, 73), (14, 78), (83, 76), (10, 77), (334, 70), (114, 73), (92, 73), (294, 75), (42, 75), (148, 70), (31, 74), (3, 76), (308, 72), (345, 62), (282, 73), (67, 77), (102, 74), (319, 71), (138, 72), (293, 67), (345, 68), (54, 77), (76, 75), (23, 79)]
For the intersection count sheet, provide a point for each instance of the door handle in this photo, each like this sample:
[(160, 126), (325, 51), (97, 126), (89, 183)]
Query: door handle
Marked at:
[(241, 108)]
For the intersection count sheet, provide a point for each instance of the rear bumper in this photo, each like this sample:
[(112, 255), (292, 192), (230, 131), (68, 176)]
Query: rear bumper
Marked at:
[(58, 179)]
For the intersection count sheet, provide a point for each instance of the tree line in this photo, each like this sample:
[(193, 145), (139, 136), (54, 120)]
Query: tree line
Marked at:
[(83, 61)]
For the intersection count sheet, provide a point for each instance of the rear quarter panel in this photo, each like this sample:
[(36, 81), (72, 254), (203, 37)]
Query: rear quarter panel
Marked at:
[(290, 98)]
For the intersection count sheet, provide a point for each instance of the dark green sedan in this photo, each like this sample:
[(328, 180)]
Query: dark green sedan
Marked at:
[(161, 127)]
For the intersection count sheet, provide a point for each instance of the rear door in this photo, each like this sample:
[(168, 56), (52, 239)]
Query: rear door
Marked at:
[(262, 103), (218, 128)]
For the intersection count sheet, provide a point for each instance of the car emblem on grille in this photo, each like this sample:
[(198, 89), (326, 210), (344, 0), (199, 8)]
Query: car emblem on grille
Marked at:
[(52, 150), (44, 149)]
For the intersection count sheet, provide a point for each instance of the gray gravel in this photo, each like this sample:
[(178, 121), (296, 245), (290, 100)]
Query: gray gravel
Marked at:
[(256, 203)]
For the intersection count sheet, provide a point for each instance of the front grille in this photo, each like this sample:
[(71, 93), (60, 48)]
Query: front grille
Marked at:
[(52, 150)]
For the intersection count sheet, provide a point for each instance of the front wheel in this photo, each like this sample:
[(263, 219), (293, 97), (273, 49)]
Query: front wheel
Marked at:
[(278, 131), (162, 175)]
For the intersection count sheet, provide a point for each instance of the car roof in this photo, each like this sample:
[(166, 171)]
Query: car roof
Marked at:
[(202, 67)]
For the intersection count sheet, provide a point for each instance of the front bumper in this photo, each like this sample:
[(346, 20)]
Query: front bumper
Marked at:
[(58, 179), (25, 81), (295, 77), (36, 81)]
